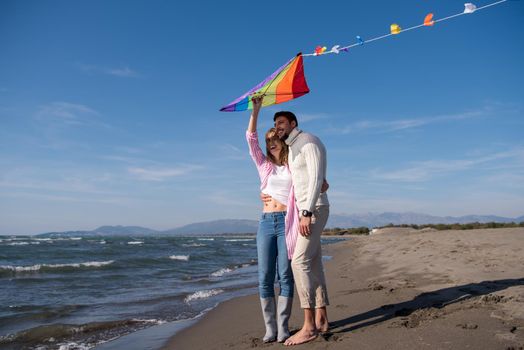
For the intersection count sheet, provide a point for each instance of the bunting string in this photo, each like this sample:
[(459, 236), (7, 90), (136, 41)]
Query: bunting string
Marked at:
[(395, 29)]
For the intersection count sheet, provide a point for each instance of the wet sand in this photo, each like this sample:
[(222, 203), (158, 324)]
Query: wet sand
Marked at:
[(399, 289)]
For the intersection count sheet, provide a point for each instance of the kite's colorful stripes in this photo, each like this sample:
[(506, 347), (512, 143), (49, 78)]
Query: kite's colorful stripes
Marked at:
[(286, 83)]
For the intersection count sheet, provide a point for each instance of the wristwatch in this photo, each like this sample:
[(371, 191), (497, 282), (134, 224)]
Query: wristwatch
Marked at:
[(307, 213)]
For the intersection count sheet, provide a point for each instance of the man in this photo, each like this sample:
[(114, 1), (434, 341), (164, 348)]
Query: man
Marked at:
[(307, 162)]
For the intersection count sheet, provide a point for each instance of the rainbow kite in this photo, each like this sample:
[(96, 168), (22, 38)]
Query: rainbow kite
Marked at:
[(286, 83), (289, 82)]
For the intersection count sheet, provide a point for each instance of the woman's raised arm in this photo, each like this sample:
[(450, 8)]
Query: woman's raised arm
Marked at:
[(257, 104)]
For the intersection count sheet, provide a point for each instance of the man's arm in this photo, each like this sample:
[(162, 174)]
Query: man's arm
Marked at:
[(315, 166)]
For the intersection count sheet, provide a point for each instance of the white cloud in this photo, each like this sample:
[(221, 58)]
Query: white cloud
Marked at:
[(63, 198), (226, 198), (122, 72), (381, 126), (308, 117), (57, 116), (423, 171), (233, 152), (72, 184), (123, 159), (65, 113), (130, 150), (162, 174)]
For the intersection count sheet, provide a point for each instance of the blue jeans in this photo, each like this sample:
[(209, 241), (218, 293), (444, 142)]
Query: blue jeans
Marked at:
[(272, 254)]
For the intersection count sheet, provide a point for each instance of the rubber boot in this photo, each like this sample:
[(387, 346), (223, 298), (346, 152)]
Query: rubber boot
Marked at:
[(283, 314), (269, 313)]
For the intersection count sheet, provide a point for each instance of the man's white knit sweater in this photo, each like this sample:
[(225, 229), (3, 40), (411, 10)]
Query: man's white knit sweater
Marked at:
[(308, 165)]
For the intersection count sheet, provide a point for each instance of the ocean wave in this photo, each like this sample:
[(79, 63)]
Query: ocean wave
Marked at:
[(194, 245), (18, 243), (74, 346), (22, 243), (135, 242), (202, 294), (221, 272), (68, 336), (179, 257), (206, 239), (39, 267), (240, 240), (151, 321)]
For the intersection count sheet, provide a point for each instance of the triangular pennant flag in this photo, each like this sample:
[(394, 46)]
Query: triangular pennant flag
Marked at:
[(428, 21), (286, 83), (395, 28), (469, 7)]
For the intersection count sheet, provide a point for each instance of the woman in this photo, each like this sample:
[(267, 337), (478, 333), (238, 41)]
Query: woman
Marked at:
[(278, 218), (278, 228)]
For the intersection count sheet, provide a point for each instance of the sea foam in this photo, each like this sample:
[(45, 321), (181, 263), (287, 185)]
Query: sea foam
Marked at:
[(194, 245), (18, 243), (38, 267), (179, 257), (203, 294), (73, 346), (221, 272)]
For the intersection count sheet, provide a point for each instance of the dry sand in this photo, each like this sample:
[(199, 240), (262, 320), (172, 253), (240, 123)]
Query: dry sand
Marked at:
[(399, 290)]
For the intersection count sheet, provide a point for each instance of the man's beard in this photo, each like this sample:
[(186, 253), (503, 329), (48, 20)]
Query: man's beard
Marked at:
[(284, 137)]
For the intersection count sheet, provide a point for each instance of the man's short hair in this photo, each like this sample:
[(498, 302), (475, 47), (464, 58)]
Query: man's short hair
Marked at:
[(290, 116)]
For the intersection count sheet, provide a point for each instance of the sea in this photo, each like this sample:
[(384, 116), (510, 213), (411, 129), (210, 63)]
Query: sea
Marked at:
[(86, 292)]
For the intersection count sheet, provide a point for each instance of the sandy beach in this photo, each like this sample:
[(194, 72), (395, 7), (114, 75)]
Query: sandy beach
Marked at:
[(399, 289)]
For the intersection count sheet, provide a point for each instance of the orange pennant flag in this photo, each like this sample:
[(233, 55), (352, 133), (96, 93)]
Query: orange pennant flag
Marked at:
[(428, 21)]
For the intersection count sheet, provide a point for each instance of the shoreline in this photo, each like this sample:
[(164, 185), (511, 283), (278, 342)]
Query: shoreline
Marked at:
[(401, 290), (156, 337)]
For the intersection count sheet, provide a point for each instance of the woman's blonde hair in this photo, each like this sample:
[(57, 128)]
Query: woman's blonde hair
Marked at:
[(271, 135)]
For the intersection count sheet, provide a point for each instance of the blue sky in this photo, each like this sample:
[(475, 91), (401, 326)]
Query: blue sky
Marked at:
[(109, 109)]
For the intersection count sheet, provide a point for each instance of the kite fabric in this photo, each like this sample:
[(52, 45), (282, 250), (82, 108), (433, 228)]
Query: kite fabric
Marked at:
[(286, 83)]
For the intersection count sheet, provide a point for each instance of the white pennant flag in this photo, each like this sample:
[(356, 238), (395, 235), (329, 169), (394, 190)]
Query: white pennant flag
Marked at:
[(469, 7)]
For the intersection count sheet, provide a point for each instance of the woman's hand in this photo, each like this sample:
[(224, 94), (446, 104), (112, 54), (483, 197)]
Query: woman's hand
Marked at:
[(257, 103)]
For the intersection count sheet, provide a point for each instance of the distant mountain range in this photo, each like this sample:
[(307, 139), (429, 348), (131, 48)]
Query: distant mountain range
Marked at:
[(250, 226), (374, 219)]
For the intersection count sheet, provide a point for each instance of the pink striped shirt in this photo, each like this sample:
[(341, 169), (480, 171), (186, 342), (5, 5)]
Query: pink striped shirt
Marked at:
[(265, 169)]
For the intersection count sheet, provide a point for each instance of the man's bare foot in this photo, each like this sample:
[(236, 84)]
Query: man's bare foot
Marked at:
[(321, 321), (301, 337), (322, 325)]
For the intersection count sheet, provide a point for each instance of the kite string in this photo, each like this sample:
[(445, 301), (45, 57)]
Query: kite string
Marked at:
[(405, 30)]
